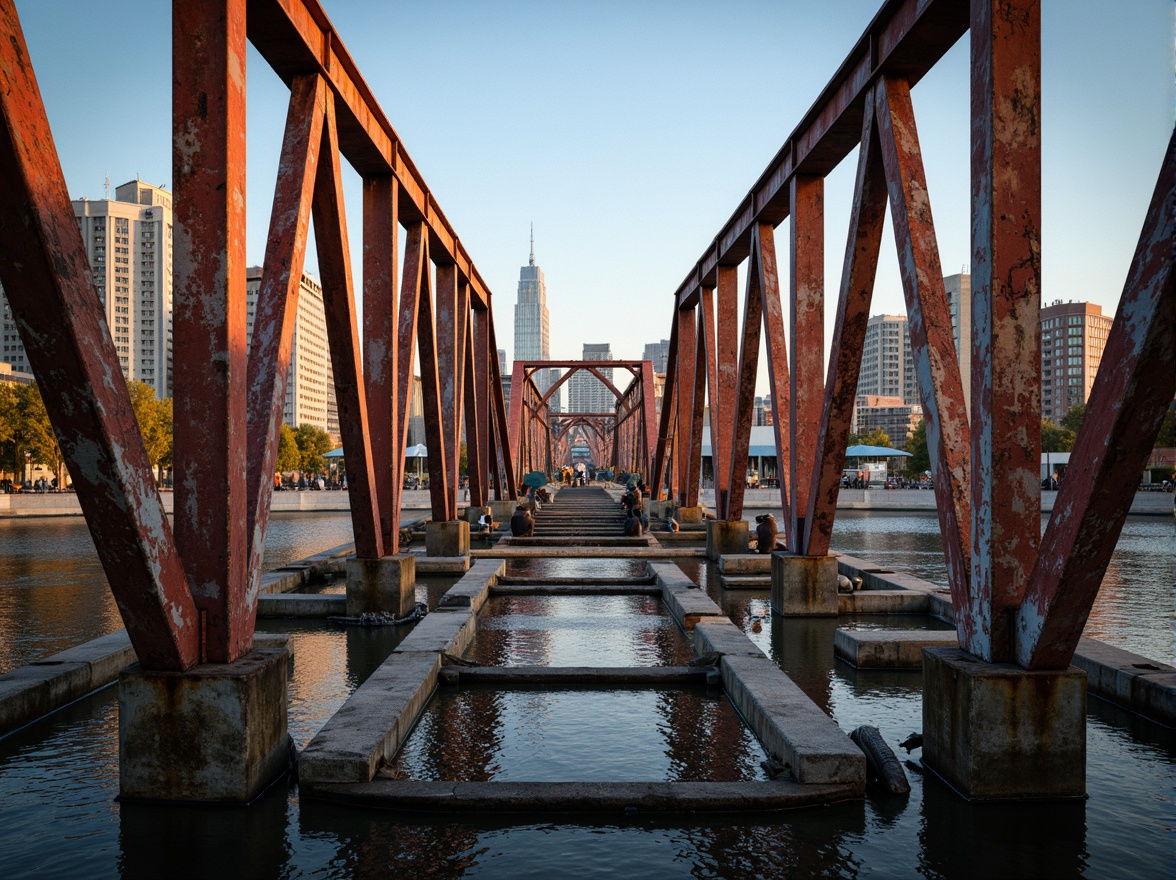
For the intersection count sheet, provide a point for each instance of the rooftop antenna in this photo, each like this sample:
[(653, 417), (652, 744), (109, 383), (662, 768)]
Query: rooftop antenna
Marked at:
[(532, 244), (108, 187)]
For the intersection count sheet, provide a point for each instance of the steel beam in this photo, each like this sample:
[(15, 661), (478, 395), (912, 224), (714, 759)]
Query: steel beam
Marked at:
[(415, 277), (687, 352), (807, 301), (477, 350), (1006, 338), (933, 347), (849, 334), (209, 353), (47, 282), (381, 246), (277, 302), (1133, 390), (727, 365), (435, 438), (665, 422), (745, 397), (334, 258)]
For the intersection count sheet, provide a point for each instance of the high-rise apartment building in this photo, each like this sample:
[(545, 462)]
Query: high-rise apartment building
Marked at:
[(888, 368), (310, 383), (586, 393), (128, 241), (959, 301), (1073, 336), (659, 353), (896, 418), (532, 324)]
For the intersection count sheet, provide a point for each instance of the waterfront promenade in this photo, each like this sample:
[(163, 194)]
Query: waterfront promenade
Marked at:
[(906, 500)]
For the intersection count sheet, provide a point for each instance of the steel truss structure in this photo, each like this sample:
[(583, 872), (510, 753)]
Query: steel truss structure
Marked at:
[(1018, 598), (188, 595), (623, 438)]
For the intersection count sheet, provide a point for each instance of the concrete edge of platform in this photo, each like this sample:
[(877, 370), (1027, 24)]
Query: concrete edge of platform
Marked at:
[(790, 726), (575, 590), (590, 676), (685, 600), (441, 564), (33, 691), (889, 648), (745, 582), (302, 605), (586, 797), (501, 551), (472, 590)]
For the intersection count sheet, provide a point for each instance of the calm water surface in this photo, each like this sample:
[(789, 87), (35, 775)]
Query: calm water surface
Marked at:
[(59, 814)]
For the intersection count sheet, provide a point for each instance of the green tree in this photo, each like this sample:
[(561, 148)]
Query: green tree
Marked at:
[(1055, 438), (916, 445), (289, 456), (154, 419), (463, 463), (877, 437), (313, 444), (25, 431), (1072, 420)]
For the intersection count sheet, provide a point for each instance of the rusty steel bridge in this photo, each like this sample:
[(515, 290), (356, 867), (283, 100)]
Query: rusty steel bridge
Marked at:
[(188, 592)]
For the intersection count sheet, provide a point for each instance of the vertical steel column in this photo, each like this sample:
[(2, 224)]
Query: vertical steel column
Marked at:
[(745, 393), (727, 366), (381, 232), (697, 408), (518, 416), (849, 334), (334, 256), (209, 355), (806, 196), (1006, 294), (502, 448), (665, 420), (50, 290), (936, 366), (452, 309), (648, 417), (415, 284), (687, 351), (477, 409), (707, 345), (277, 301)]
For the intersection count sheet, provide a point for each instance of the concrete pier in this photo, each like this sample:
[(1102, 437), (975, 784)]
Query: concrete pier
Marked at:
[(386, 585), (725, 538), (213, 734), (447, 538), (995, 731), (804, 586)]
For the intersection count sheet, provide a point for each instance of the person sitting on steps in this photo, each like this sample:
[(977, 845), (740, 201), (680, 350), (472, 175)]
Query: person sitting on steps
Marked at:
[(522, 524)]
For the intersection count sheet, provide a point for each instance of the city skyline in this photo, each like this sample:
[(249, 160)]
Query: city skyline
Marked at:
[(624, 143)]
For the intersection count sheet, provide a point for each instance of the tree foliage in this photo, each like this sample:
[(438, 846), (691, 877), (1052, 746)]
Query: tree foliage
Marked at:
[(1072, 420), (313, 443), (289, 455), (916, 445), (1055, 438), (26, 436), (1167, 435), (877, 437), (155, 422)]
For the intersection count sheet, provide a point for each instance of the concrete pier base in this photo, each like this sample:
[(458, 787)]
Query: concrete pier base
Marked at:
[(213, 734), (995, 731), (725, 538), (502, 511), (447, 538), (804, 586), (689, 515), (473, 514), (385, 585), (660, 509)]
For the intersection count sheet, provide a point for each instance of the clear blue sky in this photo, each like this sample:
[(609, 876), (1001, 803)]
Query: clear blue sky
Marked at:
[(629, 132)]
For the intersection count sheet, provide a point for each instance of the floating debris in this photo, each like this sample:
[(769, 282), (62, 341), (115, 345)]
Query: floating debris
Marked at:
[(383, 618)]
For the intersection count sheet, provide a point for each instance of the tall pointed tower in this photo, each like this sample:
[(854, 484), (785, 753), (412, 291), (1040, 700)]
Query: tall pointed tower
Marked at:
[(532, 324)]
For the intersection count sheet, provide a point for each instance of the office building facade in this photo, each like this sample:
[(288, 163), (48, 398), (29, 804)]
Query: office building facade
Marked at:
[(532, 324), (888, 367), (1073, 336), (586, 393)]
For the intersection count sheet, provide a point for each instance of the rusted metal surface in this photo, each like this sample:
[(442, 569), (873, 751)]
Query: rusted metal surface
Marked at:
[(451, 331), (477, 405), (937, 369), (209, 348), (435, 438), (505, 461), (415, 276), (849, 335), (708, 357), (1006, 341), (47, 281), (334, 258), (905, 38), (1134, 388), (807, 335), (763, 268), (648, 416), (689, 446), (745, 397), (662, 451), (727, 365), (381, 232), (277, 301)]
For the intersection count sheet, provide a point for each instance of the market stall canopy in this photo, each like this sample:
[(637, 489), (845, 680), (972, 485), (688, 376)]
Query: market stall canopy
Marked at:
[(866, 451), (334, 453), (418, 451)]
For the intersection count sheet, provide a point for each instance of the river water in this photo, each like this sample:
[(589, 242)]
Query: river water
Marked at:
[(60, 817)]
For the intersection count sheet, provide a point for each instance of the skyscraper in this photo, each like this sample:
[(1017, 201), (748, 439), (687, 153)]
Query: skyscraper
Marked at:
[(310, 382), (1073, 336), (532, 324), (586, 393), (888, 368), (128, 241), (959, 301), (659, 353)]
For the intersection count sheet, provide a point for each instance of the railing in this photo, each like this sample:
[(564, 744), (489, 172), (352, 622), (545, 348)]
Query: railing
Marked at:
[(1016, 598)]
